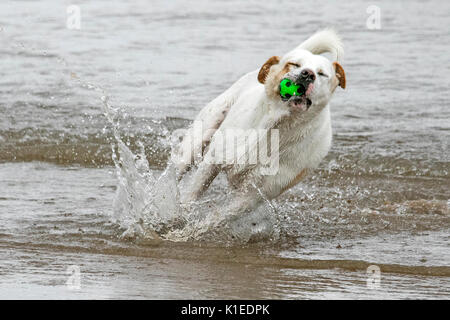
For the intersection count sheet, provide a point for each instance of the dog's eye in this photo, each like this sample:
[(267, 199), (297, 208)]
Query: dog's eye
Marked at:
[(320, 73), (297, 65)]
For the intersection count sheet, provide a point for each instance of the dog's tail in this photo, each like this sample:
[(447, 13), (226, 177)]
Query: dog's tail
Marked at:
[(326, 40)]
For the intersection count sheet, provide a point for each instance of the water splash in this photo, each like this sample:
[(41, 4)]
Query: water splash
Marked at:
[(149, 207)]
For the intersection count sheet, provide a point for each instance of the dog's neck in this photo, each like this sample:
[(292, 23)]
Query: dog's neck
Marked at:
[(281, 117)]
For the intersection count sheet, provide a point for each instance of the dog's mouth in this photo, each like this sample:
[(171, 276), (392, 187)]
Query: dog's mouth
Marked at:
[(297, 95), (300, 103)]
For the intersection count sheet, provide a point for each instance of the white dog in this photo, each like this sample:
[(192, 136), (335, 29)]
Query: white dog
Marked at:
[(254, 103)]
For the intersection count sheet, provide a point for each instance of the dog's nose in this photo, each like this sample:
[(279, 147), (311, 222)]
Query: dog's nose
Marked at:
[(307, 75)]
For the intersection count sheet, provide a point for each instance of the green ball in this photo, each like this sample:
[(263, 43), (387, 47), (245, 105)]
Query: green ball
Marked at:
[(289, 89)]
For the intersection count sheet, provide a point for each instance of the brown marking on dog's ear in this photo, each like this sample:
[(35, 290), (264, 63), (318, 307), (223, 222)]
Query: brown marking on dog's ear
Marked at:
[(340, 74), (264, 71)]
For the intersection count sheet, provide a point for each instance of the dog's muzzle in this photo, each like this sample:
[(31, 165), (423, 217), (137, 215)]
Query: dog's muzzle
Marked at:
[(304, 80)]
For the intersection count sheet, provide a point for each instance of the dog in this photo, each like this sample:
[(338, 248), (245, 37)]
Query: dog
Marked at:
[(253, 102)]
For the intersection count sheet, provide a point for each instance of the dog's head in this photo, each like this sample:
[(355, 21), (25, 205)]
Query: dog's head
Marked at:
[(314, 74)]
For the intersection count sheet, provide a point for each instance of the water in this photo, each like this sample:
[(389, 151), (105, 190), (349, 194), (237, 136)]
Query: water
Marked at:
[(379, 198)]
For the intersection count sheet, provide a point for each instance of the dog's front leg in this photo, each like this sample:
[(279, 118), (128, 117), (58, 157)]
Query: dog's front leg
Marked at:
[(201, 180)]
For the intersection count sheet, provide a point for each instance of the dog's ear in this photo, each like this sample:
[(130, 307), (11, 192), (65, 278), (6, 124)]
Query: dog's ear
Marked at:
[(264, 71), (340, 74)]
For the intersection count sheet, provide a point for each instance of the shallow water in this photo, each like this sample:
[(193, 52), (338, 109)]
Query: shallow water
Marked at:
[(379, 198)]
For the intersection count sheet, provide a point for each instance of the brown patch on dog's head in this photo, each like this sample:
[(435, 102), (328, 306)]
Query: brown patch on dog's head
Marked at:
[(264, 71), (340, 75), (274, 76)]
